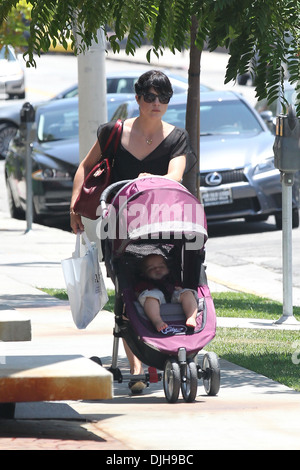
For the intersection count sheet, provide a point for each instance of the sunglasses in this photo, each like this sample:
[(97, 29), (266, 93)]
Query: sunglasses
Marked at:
[(151, 97)]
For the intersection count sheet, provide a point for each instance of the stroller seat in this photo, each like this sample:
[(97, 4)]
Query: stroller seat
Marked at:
[(169, 312)]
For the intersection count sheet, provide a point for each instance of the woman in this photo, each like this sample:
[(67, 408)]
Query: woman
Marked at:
[(148, 145)]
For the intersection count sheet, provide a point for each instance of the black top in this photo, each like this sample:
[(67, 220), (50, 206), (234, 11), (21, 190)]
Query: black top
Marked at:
[(127, 166)]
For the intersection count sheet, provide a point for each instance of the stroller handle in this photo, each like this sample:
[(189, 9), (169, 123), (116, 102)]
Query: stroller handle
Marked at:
[(110, 189)]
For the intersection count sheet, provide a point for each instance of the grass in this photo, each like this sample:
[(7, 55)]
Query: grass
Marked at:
[(272, 353), (241, 305), (267, 352)]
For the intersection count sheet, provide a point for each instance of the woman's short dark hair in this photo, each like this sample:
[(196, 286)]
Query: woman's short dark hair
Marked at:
[(153, 79)]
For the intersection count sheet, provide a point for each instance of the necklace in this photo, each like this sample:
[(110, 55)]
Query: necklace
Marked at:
[(149, 141)]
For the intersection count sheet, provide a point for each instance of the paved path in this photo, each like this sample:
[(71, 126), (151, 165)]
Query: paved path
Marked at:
[(250, 412)]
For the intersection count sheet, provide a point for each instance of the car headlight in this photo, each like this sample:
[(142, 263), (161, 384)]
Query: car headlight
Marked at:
[(265, 165), (51, 174)]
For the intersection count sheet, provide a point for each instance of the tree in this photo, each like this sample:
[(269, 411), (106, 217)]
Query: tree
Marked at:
[(262, 37), (15, 30)]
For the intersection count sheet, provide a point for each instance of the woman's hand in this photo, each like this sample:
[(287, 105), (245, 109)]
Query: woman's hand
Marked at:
[(76, 222)]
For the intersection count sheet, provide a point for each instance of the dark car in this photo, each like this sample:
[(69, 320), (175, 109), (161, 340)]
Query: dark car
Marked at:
[(237, 174), (10, 117), (55, 158), (120, 86)]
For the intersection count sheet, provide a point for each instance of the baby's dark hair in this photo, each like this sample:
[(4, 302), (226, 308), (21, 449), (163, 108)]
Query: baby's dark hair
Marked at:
[(153, 79), (143, 264)]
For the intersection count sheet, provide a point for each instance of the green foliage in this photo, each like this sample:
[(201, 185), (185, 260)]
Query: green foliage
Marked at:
[(16, 25), (262, 36)]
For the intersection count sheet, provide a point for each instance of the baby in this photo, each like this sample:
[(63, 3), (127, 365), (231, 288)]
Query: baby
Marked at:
[(158, 288)]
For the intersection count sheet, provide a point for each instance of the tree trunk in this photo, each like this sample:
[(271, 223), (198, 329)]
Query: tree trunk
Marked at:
[(191, 178)]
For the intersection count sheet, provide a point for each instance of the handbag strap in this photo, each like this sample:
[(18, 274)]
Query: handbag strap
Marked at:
[(116, 129)]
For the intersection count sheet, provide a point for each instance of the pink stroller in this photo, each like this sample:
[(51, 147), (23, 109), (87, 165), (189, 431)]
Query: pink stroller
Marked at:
[(157, 215)]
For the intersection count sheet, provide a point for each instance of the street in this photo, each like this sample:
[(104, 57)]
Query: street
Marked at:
[(56, 72)]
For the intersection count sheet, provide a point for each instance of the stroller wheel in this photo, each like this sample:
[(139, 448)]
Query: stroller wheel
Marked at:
[(211, 370), (189, 386), (171, 380)]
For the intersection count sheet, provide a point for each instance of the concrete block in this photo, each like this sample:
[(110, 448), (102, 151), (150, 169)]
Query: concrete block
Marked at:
[(53, 378), (14, 326)]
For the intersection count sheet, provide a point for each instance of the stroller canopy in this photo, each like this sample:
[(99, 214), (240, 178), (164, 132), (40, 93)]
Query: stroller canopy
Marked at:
[(155, 207)]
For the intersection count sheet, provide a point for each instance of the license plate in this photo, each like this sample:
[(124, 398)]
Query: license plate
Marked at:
[(216, 197)]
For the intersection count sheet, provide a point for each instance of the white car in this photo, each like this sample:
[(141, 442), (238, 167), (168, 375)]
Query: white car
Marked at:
[(12, 78)]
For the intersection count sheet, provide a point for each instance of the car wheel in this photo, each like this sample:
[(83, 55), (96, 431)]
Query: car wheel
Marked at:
[(7, 132), (295, 219), (15, 212), (19, 96)]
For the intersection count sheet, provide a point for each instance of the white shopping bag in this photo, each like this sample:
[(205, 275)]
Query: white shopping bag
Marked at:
[(84, 281)]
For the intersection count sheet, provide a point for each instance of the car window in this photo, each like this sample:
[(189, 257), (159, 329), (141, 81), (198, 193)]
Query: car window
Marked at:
[(227, 117), (71, 93), (216, 117), (57, 126), (120, 85), (6, 53)]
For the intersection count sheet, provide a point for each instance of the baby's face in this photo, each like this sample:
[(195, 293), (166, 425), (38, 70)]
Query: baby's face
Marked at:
[(156, 267)]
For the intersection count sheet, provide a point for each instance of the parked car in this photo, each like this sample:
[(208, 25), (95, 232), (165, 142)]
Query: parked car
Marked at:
[(237, 174), (122, 82), (10, 118), (12, 78), (118, 83), (55, 158)]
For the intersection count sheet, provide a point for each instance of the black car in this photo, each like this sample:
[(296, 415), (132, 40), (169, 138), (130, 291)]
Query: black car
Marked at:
[(120, 86), (55, 157), (10, 115)]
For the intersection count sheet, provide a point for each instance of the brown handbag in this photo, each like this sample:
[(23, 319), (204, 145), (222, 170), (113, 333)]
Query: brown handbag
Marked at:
[(98, 179)]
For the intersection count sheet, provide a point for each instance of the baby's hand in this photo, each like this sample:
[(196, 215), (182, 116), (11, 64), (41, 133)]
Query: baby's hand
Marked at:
[(144, 174)]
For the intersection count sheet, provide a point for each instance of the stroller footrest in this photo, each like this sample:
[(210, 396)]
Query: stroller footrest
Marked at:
[(154, 376)]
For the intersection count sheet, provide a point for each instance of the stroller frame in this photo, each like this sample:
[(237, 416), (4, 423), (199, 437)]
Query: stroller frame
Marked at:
[(180, 370)]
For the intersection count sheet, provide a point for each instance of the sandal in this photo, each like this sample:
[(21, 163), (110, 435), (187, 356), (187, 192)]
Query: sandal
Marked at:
[(137, 386)]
